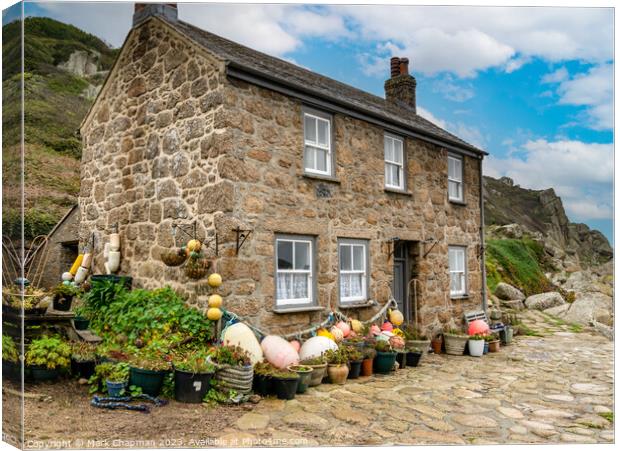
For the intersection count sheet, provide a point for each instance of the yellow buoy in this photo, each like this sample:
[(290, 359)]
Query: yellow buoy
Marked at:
[(215, 301), (325, 333), (356, 325), (76, 264), (214, 314), (214, 280), (396, 317), (193, 245)]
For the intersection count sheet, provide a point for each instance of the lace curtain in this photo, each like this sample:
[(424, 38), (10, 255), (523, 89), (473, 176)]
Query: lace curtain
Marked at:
[(351, 285), (292, 286)]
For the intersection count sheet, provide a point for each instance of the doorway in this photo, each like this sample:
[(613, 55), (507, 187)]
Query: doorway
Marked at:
[(405, 269)]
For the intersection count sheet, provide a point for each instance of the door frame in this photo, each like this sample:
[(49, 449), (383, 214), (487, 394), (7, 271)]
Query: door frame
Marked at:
[(401, 255)]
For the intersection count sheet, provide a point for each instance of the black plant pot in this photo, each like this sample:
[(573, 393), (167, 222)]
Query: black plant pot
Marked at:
[(80, 323), (262, 385), (149, 381), (413, 358), (354, 369), (11, 370), (191, 387), (83, 369), (401, 358), (285, 388), (62, 303), (42, 374)]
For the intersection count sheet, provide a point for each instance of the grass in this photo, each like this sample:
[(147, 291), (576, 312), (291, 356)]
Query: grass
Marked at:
[(519, 262), (526, 330), (609, 416)]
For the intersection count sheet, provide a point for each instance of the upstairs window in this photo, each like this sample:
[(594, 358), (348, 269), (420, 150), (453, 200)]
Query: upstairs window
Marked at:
[(458, 271), (317, 143), (394, 162), (455, 178), (294, 270), (353, 261)]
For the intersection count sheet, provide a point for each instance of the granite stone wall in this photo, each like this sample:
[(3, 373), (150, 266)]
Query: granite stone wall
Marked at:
[(172, 139)]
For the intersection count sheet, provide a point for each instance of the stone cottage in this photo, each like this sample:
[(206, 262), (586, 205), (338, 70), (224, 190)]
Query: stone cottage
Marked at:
[(321, 196)]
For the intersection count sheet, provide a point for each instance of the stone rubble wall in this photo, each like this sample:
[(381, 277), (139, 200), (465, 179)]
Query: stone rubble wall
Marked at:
[(171, 139)]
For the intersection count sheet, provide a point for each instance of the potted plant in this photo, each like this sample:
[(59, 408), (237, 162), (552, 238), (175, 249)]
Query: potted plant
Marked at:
[(147, 370), (385, 359), (285, 383), (337, 368), (476, 345), (414, 339), (506, 334), (83, 358), (11, 368), (192, 376), (437, 343), (369, 356), (116, 379), (355, 357), (357, 341), (63, 296), (413, 356), (398, 345), (319, 370), (493, 343), (46, 356), (32, 300), (305, 373), (234, 370), (80, 320), (263, 378), (455, 342)]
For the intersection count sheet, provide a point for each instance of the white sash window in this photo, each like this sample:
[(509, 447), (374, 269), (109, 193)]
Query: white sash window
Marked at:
[(394, 162), (353, 263), (455, 178), (458, 271), (294, 271)]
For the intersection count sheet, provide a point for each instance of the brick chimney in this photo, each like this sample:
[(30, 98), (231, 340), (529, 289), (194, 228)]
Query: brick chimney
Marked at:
[(400, 87), (143, 11)]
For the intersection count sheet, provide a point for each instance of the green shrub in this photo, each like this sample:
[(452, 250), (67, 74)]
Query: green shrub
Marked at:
[(48, 352), (9, 349)]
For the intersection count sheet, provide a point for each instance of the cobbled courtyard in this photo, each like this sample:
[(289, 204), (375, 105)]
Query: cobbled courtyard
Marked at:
[(553, 388)]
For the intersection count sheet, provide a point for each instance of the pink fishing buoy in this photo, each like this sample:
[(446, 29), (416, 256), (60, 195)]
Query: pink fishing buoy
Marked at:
[(478, 327), (387, 326), (295, 344)]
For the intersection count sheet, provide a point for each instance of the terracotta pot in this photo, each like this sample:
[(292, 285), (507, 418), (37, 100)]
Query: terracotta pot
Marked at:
[(367, 367), (494, 346), (337, 374), (436, 344)]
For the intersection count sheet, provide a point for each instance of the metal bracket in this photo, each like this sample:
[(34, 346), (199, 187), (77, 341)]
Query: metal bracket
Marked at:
[(242, 235), (193, 235), (427, 241)]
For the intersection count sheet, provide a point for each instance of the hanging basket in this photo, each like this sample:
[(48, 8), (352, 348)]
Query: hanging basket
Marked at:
[(197, 268), (174, 256), (238, 378)]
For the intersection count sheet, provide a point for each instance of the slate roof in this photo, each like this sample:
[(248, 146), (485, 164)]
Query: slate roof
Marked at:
[(275, 68)]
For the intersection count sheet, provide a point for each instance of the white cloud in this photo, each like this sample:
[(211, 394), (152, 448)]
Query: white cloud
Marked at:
[(557, 76), (581, 173), (468, 133), (516, 63), (453, 91)]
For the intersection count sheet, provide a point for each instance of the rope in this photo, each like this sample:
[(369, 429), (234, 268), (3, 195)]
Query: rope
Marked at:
[(120, 402), (331, 318)]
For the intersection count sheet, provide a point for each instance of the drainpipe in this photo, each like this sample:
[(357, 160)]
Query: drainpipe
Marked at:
[(482, 265)]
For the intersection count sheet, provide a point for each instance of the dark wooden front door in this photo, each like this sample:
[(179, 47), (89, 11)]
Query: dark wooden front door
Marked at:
[(399, 284)]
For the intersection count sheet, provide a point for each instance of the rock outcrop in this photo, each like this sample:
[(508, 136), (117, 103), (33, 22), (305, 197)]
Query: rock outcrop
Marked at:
[(544, 301), (507, 292)]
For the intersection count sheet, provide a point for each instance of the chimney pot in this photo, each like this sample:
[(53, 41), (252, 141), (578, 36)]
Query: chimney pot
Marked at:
[(394, 66), (401, 86), (404, 66)]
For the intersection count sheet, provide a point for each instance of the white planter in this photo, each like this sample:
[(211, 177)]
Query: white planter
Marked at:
[(115, 241), (114, 261), (476, 348)]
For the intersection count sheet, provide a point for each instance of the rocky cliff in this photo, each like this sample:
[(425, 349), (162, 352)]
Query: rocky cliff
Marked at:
[(541, 214)]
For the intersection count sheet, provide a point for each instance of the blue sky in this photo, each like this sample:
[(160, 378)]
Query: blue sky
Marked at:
[(532, 86)]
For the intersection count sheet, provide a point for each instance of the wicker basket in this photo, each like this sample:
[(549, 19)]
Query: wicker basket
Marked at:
[(455, 344), (238, 378), (197, 268), (173, 257)]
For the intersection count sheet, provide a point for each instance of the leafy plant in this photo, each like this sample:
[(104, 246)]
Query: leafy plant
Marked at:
[(264, 369), (476, 337), (150, 359), (313, 361), (32, 296), (337, 357), (383, 346), (284, 374), (48, 352), (193, 362), (490, 337), (9, 349), (108, 371), (83, 351), (369, 353), (412, 333), (65, 291), (230, 355), (353, 354), (452, 331)]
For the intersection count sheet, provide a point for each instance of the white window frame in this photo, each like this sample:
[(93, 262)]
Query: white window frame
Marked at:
[(401, 165), (462, 250), (457, 181), (310, 272), (351, 243), (309, 143)]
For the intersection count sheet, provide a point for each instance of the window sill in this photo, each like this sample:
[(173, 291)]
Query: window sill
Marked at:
[(458, 202), (397, 191), (302, 309), (460, 296), (354, 305), (325, 178)]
